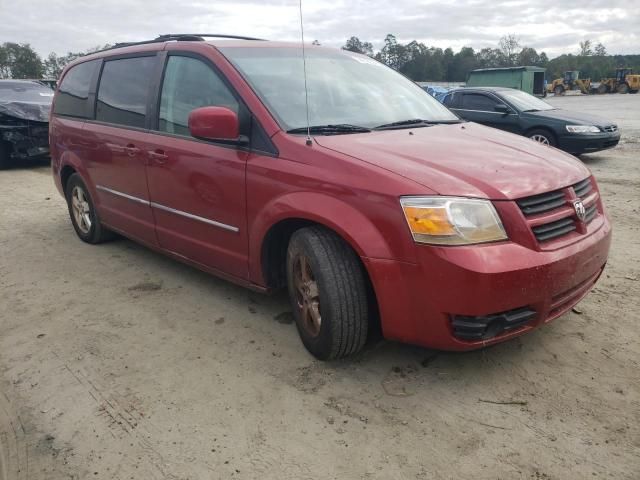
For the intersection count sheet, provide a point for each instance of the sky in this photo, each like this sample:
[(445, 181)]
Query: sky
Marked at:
[(76, 25)]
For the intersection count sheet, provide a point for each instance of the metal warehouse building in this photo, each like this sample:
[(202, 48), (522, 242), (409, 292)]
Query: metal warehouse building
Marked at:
[(527, 79)]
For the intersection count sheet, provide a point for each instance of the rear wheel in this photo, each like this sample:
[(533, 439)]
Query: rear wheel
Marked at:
[(603, 88), (623, 88), (84, 217), (544, 137), (327, 289), (558, 90)]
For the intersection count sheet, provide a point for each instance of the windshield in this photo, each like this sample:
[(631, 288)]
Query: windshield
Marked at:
[(524, 102), (344, 88), (25, 92)]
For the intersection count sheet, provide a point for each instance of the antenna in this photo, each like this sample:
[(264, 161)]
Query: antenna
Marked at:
[(309, 142)]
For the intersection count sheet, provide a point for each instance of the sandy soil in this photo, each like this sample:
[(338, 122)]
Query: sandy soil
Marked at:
[(118, 363)]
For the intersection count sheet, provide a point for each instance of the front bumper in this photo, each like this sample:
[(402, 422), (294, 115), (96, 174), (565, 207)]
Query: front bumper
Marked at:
[(418, 302), (26, 141), (585, 143)]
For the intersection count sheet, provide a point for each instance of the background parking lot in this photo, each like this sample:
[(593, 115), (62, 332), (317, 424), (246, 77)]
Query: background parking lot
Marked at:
[(117, 362)]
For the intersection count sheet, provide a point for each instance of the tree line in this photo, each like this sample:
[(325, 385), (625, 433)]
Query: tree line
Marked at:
[(423, 63), (414, 59)]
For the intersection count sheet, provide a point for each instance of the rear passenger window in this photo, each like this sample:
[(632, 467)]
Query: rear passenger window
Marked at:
[(477, 101), (122, 94), (189, 84), (73, 93)]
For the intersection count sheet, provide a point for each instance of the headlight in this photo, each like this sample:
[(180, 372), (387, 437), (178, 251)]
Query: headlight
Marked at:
[(582, 129), (452, 221)]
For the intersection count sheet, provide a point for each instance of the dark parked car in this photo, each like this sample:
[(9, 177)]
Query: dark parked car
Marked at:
[(387, 210), (24, 120), (518, 112)]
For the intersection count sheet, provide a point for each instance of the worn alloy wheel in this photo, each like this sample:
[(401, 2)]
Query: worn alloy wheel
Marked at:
[(308, 298), (328, 293), (83, 215), (81, 209)]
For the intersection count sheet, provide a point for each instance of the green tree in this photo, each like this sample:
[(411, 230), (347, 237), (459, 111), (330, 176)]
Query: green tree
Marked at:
[(600, 50), (585, 48), (354, 44), (19, 61), (510, 45), (394, 54)]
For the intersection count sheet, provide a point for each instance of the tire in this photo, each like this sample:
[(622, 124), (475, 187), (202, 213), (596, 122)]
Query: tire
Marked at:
[(327, 290), (542, 136), (633, 91), (558, 90), (5, 158), (623, 88), (603, 88), (84, 218)]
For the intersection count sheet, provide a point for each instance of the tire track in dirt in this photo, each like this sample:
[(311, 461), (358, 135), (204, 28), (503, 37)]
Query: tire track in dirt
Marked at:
[(14, 460)]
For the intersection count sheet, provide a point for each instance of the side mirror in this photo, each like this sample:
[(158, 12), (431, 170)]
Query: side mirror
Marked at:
[(215, 123), (502, 108)]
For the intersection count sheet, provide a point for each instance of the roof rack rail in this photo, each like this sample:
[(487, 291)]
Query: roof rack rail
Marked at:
[(180, 37), (200, 37)]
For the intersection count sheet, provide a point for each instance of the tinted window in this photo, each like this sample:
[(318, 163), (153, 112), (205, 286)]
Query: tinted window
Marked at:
[(122, 94), (477, 101), (73, 93), (189, 84)]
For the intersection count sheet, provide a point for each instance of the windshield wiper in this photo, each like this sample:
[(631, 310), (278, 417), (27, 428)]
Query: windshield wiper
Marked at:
[(413, 122), (331, 129)]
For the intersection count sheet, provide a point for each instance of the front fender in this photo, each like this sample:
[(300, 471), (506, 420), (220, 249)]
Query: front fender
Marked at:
[(347, 221)]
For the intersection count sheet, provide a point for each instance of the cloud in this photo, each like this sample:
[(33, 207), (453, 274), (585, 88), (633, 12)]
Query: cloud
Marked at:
[(75, 25)]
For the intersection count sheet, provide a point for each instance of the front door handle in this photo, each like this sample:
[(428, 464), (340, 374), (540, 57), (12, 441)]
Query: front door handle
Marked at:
[(158, 156), (131, 150)]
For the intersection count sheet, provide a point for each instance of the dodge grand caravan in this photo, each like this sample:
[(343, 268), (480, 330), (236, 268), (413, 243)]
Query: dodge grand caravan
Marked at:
[(373, 206)]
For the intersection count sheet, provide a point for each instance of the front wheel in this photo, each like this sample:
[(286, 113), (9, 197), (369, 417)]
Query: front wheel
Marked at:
[(82, 211), (623, 88), (542, 136), (328, 294)]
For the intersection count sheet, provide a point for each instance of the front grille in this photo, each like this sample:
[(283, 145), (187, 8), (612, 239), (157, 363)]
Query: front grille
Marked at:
[(555, 229), (488, 326), (610, 128), (557, 205), (541, 203), (583, 188)]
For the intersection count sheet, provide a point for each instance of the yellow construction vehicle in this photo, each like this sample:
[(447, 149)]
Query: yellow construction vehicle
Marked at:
[(570, 81), (624, 82)]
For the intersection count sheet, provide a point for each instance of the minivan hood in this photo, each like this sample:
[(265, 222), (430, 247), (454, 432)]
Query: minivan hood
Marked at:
[(465, 159), (572, 118)]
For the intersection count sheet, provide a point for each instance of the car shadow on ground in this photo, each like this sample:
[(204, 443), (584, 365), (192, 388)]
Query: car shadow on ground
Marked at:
[(30, 164)]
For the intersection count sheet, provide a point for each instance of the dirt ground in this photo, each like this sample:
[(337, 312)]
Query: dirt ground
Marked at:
[(119, 363)]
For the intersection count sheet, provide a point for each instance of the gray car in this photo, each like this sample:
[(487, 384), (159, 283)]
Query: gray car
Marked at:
[(24, 120)]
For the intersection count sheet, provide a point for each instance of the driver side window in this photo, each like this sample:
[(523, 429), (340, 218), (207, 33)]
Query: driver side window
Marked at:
[(188, 84), (479, 102)]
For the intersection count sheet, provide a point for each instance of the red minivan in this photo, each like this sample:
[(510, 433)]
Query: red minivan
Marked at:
[(355, 189)]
